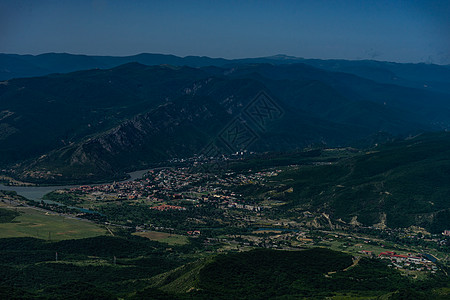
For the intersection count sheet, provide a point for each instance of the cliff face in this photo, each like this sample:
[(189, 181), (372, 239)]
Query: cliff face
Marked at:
[(178, 128)]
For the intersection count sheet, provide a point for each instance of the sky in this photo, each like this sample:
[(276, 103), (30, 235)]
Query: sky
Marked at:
[(399, 31)]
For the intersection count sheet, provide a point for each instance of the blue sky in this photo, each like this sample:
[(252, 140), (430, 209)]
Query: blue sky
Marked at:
[(402, 31)]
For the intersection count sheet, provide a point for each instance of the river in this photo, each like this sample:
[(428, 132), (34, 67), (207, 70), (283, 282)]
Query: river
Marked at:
[(37, 192)]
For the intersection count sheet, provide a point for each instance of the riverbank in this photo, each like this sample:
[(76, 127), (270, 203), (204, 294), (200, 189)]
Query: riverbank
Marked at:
[(36, 193)]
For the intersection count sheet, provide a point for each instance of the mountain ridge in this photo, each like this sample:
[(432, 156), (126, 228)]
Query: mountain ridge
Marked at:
[(419, 75), (63, 121)]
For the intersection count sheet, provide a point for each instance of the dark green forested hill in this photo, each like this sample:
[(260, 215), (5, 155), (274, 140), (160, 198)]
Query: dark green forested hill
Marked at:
[(85, 268), (272, 274), (398, 184), (95, 125), (136, 268), (41, 114)]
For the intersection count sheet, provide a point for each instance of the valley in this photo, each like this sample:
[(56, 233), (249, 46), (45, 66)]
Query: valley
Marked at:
[(332, 174), (94, 126), (194, 209), (224, 150)]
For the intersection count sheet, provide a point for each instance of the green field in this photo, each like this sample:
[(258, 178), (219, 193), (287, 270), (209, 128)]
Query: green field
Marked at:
[(163, 237), (39, 224)]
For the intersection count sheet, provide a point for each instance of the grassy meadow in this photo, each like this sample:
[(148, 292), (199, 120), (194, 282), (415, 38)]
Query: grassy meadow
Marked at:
[(43, 225), (164, 237)]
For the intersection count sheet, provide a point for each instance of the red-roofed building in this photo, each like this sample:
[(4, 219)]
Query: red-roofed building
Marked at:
[(366, 252)]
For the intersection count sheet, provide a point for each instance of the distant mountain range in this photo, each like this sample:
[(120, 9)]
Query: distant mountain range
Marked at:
[(428, 76), (96, 124)]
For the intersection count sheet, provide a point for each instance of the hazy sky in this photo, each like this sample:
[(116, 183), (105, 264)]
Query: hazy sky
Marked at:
[(403, 31)]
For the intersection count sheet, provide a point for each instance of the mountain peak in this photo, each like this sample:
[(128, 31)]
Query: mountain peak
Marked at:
[(284, 57)]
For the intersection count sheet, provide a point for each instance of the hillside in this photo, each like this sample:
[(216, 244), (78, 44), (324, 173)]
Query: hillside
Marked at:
[(135, 268), (85, 268), (268, 274), (96, 125), (398, 184)]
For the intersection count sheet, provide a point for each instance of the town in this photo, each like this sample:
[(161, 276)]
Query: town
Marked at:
[(187, 201)]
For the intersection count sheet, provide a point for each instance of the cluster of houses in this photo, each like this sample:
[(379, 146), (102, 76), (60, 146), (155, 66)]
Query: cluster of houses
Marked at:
[(162, 186), (419, 262), (393, 256)]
